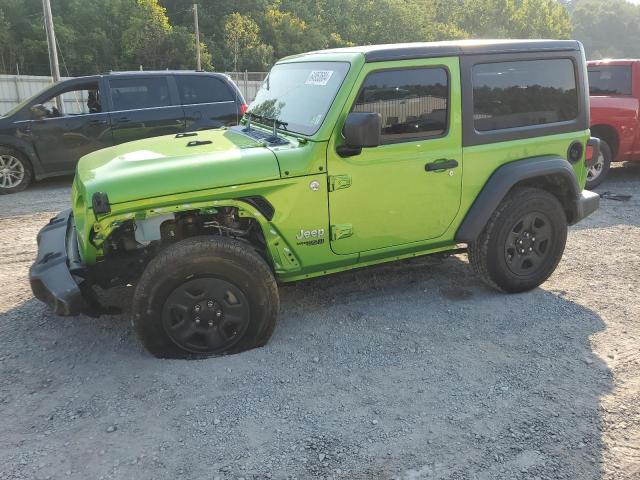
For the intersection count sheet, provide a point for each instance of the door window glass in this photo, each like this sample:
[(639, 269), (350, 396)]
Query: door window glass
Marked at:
[(79, 100), (524, 93), (202, 89), (135, 93), (413, 103)]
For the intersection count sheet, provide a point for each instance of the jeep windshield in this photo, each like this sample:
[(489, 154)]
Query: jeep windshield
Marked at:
[(298, 95)]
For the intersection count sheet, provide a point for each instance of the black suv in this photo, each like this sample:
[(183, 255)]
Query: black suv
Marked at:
[(47, 134)]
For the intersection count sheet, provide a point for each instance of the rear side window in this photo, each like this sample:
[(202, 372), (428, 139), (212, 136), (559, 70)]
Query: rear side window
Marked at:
[(202, 89), (134, 93), (413, 103), (610, 80), (524, 93)]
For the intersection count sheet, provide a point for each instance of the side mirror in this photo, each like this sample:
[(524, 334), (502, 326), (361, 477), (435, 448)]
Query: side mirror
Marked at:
[(361, 130), (38, 111)]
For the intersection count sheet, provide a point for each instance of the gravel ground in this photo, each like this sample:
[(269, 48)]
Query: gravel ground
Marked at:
[(412, 370)]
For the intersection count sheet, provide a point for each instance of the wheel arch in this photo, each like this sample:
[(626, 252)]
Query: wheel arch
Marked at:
[(551, 173), (608, 134), (257, 209)]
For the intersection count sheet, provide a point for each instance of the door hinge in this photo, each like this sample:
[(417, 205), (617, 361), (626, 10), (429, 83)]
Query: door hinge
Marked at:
[(341, 231), (337, 182)]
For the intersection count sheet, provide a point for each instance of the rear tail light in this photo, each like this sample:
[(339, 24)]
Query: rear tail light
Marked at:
[(243, 108), (593, 151), (589, 156)]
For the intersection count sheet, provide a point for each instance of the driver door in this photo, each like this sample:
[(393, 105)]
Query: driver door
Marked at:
[(62, 136), (407, 189)]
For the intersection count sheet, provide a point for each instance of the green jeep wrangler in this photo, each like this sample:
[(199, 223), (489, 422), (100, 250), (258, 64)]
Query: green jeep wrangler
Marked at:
[(346, 158)]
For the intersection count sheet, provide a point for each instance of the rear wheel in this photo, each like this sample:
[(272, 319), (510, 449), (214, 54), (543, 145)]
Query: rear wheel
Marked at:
[(598, 171), (15, 171), (205, 296), (523, 241)]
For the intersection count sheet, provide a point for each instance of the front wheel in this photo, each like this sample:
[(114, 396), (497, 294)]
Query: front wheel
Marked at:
[(15, 171), (205, 296), (523, 241)]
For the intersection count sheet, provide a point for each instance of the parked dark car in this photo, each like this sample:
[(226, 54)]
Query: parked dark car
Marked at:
[(39, 139)]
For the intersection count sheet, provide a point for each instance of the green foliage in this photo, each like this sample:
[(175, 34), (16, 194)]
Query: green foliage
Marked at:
[(241, 37), (101, 35), (95, 36), (608, 29)]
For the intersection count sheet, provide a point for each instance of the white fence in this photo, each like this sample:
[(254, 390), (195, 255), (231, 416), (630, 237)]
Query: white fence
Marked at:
[(248, 82), (16, 88)]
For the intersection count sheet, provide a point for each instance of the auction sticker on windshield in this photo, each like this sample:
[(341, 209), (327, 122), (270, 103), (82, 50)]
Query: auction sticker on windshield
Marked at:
[(319, 77)]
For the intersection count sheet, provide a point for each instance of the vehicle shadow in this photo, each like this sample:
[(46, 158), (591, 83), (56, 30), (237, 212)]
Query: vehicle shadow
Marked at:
[(414, 368), (510, 380)]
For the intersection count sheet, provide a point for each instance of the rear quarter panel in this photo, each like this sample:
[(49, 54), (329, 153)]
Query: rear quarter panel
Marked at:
[(481, 161), (621, 113)]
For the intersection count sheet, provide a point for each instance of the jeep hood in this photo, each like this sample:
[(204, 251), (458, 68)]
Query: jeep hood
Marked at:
[(173, 164)]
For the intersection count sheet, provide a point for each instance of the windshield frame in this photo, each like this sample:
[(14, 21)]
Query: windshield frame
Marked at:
[(330, 104)]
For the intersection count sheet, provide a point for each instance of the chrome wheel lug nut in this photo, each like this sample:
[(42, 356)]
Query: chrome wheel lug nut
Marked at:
[(218, 313), (530, 249), (197, 308), (210, 303), (197, 319), (211, 324)]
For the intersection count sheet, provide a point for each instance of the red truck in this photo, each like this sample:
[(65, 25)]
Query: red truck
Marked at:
[(614, 88)]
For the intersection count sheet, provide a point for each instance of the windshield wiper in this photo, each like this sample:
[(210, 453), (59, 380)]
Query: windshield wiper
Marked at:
[(274, 121)]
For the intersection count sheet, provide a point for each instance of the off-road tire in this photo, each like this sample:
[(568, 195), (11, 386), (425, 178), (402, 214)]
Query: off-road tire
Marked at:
[(207, 257), (488, 254), (27, 177), (605, 151)]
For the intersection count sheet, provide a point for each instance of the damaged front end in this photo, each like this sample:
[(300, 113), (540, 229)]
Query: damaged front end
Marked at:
[(57, 276), (125, 243)]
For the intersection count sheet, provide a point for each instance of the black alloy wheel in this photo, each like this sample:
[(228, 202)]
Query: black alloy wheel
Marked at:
[(206, 314), (528, 244)]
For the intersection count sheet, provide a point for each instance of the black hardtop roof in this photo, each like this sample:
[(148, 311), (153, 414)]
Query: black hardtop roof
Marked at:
[(406, 51)]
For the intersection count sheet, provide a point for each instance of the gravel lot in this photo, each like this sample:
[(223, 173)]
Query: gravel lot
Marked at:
[(412, 370)]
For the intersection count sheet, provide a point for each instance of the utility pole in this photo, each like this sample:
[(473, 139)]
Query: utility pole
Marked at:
[(195, 20), (51, 41), (53, 51)]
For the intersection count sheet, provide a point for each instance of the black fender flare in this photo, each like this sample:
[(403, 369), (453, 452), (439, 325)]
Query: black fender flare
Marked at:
[(502, 181), (27, 149)]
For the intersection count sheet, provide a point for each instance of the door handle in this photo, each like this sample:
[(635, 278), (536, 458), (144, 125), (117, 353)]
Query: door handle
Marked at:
[(97, 122), (123, 120), (440, 165)]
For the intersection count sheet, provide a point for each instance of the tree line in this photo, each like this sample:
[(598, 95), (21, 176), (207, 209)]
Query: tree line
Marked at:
[(101, 35)]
